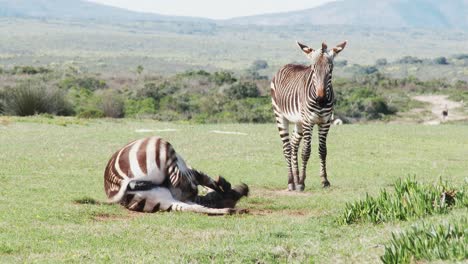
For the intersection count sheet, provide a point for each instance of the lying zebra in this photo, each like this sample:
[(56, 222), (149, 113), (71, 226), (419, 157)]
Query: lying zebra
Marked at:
[(147, 175)]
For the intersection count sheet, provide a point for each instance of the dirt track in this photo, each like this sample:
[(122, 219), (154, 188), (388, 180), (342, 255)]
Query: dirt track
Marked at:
[(438, 104)]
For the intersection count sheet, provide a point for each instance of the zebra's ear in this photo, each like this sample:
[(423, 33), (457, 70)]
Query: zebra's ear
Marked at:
[(339, 47), (304, 48)]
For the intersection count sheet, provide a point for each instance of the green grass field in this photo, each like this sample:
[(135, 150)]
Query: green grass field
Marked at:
[(47, 164)]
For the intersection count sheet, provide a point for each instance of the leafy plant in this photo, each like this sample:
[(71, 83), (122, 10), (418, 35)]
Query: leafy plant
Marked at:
[(446, 241), (409, 200)]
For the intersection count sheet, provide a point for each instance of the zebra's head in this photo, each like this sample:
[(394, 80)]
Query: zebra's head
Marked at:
[(322, 65)]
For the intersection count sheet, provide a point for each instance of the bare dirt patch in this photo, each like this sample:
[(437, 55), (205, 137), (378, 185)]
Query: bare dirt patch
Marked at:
[(110, 217)]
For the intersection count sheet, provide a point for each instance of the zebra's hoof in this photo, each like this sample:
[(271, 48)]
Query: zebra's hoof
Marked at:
[(326, 184), (300, 187), (291, 187)]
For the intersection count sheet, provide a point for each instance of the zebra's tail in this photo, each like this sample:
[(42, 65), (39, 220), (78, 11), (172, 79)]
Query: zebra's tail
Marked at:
[(132, 185)]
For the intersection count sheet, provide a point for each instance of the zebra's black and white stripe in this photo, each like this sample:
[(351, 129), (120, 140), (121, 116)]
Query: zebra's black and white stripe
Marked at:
[(148, 175), (303, 95)]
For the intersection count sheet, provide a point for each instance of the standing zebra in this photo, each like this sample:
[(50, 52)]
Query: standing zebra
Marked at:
[(303, 95), (148, 175)]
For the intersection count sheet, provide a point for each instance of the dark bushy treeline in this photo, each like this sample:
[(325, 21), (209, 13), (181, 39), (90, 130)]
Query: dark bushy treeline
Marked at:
[(198, 96)]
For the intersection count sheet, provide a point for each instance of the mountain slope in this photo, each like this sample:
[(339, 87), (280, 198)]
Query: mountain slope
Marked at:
[(74, 9), (382, 13)]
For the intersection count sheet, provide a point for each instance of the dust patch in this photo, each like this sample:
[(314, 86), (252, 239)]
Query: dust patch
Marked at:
[(282, 192), (144, 130), (289, 212), (228, 132)]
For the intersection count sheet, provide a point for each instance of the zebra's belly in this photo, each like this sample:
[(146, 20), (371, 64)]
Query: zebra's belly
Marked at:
[(319, 119), (293, 117), (154, 175)]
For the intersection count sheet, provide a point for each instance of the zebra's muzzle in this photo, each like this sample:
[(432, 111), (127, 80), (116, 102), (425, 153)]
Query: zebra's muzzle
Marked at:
[(322, 101)]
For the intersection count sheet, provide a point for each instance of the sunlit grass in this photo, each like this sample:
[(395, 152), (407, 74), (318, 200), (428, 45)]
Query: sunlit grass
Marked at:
[(51, 174)]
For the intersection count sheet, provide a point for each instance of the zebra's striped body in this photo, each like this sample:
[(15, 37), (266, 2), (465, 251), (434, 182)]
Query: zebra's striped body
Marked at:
[(148, 175), (303, 96)]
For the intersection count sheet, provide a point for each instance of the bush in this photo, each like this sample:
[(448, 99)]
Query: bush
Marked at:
[(34, 97), (88, 83), (142, 107), (91, 113), (361, 103), (220, 78), (461, 56), (249, 110), (111, 104), (381, 62), (340, 63), (158, 91), (242, 90), (29, 70), (441, 61), (409, 60), (259, 65)]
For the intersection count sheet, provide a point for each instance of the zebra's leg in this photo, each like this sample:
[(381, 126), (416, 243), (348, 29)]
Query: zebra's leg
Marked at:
[(283, 127), (196, 208), (323, 132), (295, 142), (305, 154)]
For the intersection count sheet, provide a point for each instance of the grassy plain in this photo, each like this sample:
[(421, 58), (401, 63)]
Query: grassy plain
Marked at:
[(166, 48), (48, 164)]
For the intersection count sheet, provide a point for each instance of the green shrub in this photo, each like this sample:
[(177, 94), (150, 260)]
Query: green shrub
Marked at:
[(446, 241), (441, 61), (249, 110), (340, 63), (409, 60), (409, 200), (242, 90), (136, 108), (460, 56), (86, 82), (29, 70), (361, 103), (111, 103), (158, 91), (222, 77), (83, 100), (91, 113), (381, 62), (2, 101), (35, 97), (259, 65)]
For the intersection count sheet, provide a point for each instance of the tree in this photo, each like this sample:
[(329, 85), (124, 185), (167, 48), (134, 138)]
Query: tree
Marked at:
[(139, 69), (441, 61), (381, 62)]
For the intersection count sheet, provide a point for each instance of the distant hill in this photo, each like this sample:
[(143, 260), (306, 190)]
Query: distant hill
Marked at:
[(76, 10), (383, 13)]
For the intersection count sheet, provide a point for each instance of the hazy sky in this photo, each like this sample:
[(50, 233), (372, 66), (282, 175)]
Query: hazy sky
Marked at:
[(217, 9)]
